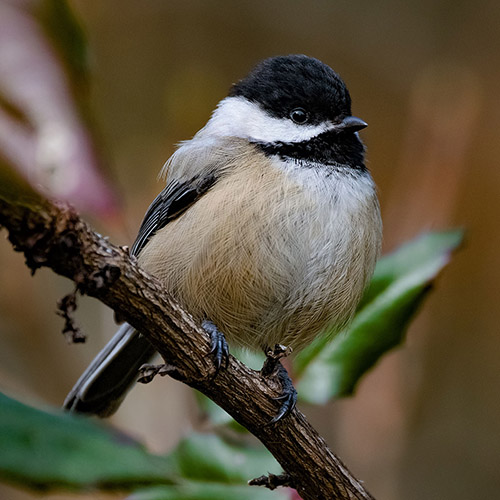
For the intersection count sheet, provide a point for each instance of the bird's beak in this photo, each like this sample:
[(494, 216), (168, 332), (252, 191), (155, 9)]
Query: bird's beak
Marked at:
[(351, 124)]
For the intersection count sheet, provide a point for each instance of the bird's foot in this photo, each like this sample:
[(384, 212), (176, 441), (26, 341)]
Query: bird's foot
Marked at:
[(273, 357), (220, 349), (273, 367)]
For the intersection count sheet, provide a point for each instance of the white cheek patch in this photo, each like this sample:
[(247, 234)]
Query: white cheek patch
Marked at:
[(238, 117)]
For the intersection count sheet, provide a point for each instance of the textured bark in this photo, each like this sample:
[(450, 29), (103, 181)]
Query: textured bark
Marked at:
[(54, 236)]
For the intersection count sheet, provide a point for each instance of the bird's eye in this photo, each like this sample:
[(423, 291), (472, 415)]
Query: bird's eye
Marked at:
[(299, 115)]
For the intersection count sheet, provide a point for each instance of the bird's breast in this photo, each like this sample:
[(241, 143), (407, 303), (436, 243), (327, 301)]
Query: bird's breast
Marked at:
[(271, 254)]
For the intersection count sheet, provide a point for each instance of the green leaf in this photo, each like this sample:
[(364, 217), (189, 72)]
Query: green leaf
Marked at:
[(47, 450), (54, 449), (208, 491), (400, 283), (206, 457), (213, 469)]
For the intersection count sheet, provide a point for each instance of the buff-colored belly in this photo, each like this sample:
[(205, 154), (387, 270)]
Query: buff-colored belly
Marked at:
[(266, 269)]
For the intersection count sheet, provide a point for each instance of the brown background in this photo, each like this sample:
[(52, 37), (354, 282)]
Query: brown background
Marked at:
[(426, 76)]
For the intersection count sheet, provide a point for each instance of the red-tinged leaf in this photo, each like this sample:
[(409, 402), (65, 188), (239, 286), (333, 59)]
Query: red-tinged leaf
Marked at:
[(42, 131)]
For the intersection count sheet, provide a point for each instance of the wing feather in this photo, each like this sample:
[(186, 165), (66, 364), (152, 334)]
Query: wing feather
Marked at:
[(172, 202)]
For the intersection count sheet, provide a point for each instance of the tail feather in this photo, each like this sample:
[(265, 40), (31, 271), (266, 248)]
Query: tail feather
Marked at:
[(104, 384)]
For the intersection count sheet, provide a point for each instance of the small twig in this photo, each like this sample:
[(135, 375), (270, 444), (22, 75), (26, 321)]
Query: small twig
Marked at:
[(272, 481), (65, 308), (148, 372)]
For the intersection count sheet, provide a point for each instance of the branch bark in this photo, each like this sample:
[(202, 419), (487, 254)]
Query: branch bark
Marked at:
[(52, 235)]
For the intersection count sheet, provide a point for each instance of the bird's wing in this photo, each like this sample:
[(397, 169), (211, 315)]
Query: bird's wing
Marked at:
[(190, 172), (176, 198)]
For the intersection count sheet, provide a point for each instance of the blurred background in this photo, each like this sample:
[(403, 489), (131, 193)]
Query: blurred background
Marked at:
[(425, 423)]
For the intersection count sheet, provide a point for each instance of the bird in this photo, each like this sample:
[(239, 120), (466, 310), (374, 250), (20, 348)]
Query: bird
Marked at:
[(267, 231)]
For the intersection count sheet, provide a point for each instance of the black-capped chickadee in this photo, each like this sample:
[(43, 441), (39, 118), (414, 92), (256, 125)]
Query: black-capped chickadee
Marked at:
[(268, 228)]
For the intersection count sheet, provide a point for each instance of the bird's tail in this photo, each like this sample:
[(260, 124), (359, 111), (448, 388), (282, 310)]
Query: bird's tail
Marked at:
[(104, 384)]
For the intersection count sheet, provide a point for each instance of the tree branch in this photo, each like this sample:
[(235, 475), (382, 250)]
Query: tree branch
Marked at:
[(53, 235)]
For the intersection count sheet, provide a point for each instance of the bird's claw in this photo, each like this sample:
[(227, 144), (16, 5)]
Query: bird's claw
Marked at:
[(273, 367), (219, 348)]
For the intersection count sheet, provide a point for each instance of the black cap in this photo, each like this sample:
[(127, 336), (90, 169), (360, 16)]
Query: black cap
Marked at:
[(284, 83)]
